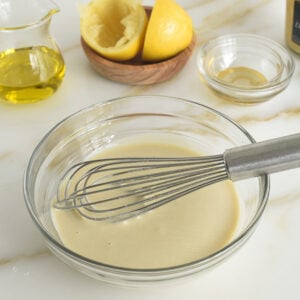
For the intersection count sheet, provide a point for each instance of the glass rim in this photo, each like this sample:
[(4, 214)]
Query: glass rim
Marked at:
[(149, 274), (269, 44)]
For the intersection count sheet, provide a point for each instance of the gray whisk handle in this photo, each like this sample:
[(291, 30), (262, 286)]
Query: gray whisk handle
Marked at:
[(263, 158)]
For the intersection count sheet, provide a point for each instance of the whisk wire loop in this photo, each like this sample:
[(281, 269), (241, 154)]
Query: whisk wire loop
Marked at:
[(120, 188)]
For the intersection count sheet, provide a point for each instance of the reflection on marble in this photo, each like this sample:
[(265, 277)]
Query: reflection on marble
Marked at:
[(267, 267)]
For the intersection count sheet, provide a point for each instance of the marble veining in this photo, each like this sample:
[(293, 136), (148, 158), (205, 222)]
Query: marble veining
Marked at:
[(288, 113), (31, 257), (236, 12), (4, 155)]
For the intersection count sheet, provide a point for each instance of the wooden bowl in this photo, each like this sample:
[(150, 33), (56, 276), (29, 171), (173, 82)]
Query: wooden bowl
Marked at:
[(136, 72)]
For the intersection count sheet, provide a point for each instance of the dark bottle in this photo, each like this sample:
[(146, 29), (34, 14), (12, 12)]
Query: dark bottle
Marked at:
[(292, 25)]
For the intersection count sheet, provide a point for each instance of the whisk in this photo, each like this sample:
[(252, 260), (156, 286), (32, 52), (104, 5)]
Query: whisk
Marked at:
[(121, 188)]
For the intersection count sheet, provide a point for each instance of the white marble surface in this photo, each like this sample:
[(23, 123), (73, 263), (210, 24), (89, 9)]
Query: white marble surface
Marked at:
[(267, 267)]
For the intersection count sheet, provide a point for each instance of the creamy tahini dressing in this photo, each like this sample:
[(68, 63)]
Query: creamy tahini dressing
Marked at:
[(180, 232)]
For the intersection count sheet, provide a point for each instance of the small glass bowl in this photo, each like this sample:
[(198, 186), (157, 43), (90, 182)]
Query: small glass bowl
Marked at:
[(79, 136), (245, 68)]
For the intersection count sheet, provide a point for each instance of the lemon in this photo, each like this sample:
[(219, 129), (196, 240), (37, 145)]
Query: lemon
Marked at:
[(169, 31), (114, 28)]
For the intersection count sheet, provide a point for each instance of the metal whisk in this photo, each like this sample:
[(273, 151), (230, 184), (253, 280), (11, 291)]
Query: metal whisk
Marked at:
[(120, 188)]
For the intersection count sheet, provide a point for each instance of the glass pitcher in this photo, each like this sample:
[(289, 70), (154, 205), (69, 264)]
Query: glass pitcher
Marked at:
[(31, 65)]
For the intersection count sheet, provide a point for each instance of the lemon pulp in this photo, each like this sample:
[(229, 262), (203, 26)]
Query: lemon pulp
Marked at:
[(114, 29)]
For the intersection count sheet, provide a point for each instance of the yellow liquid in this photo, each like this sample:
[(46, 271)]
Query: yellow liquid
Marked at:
[(30, 74), (182, 231), (242, 77)]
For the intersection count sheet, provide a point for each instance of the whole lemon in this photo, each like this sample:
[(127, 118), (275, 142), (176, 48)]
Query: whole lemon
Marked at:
[(169, 31)]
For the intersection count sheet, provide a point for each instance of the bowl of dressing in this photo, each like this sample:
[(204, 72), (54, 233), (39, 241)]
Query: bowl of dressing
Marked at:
[(175, 241), (245, 68)]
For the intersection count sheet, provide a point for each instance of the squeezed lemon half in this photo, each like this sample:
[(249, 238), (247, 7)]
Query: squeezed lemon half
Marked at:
[(114, 29), (119, 29)]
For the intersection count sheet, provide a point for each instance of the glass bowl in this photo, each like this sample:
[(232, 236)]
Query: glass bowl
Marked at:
[(245, 68), (84, 133)]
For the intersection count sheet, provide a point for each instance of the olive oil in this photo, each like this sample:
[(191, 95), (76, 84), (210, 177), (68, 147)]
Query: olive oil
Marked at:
[(242, 77), (30, 74)]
